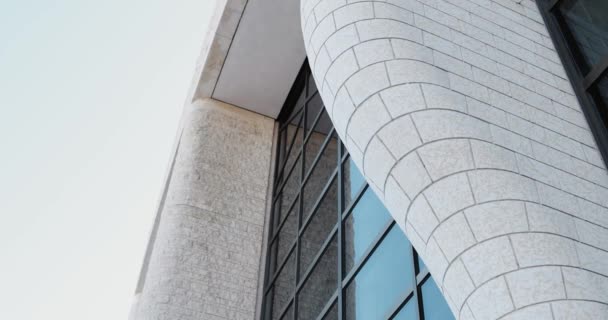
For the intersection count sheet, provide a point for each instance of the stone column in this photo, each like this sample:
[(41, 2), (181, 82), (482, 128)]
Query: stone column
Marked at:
[(462, 119), (205, 253)]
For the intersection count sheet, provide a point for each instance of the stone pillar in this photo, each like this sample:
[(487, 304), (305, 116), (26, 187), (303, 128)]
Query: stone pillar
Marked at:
[(205, 253), (463, 121)]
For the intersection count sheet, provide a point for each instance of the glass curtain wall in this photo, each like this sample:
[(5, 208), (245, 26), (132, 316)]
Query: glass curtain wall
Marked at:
[(334, 250), (579, 29)]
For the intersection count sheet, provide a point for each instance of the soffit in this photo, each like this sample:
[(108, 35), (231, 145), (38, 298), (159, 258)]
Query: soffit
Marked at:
[(264, 58)]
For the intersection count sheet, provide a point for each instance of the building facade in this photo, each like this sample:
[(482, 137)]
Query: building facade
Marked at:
[(394, 159)]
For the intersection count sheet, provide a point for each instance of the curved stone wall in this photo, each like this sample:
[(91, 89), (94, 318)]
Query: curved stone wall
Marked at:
[(461, 117)]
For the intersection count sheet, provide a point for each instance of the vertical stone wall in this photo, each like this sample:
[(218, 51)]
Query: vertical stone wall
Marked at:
[(460, 115), (205, 259)]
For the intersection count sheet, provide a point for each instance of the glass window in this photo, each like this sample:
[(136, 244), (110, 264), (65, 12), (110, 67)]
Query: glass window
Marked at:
[(332, 314), (318, 179), (600, 92), (283, 287), (579, 29), (353, 181), (408, 312), (294, 137), (320, 285), (326, 226), (381, 284), (315, 109), (286, 237), (288, 314), (329, 157), (317, 231), (587, 22), (435, 307), (363, 225)]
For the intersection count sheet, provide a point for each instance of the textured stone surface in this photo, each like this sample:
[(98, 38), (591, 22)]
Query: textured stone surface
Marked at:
[(460, 115), (220, 33), (205, 258)]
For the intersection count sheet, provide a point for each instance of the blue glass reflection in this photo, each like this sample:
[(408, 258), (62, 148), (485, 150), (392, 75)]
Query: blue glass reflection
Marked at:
[(353, 181), (383, 281), (356, 178), (435, 306), (408, 312), (364, 224)]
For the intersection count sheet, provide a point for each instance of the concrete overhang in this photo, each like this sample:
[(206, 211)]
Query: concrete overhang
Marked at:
[(252, 54)]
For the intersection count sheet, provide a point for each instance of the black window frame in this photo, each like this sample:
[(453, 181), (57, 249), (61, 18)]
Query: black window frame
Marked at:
[(583, 84), (420, 275)]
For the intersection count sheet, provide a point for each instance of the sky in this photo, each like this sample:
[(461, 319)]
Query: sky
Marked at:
[(90, 98)]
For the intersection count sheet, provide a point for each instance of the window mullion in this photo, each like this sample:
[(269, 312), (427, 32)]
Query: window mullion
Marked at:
[(553, 4), (595, 73)]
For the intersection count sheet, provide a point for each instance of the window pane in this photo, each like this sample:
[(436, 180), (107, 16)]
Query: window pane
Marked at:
[(283, 287), (313, 146), (601, 90), (363, 225), (317, 231), (587, 22), (290, 190), (268, 305), (353, 181), (294, 137), (314, 108), (332, 314), (288, 314), (323, 124), (320, 285), (286, 238), (312, 85), (435, 307), (408, 312), (384, 280), (319, 177)]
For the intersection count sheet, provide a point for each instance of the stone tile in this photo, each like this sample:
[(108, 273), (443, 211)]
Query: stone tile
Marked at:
[(422, 218), (458, 284), (438, 124), (491, 185), (545, 219), (454, 236), (491, 156), (367, 119), (377, 162), (579, 310), (403, 99), (497, 218), (367, 82), (445, 157), (374, 51), (411, 174), (400, 136), (535, 285), (536, 312), (536, 249), (450, 195), (489, 259), (353, 13), (584, 285), (443, 98), (492, 300), (407, 71)]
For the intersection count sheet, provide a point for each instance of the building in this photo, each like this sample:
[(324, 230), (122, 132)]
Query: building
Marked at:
[(389, 159)]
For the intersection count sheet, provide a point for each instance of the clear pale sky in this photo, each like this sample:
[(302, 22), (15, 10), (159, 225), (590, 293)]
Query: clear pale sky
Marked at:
[(90, 97)]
